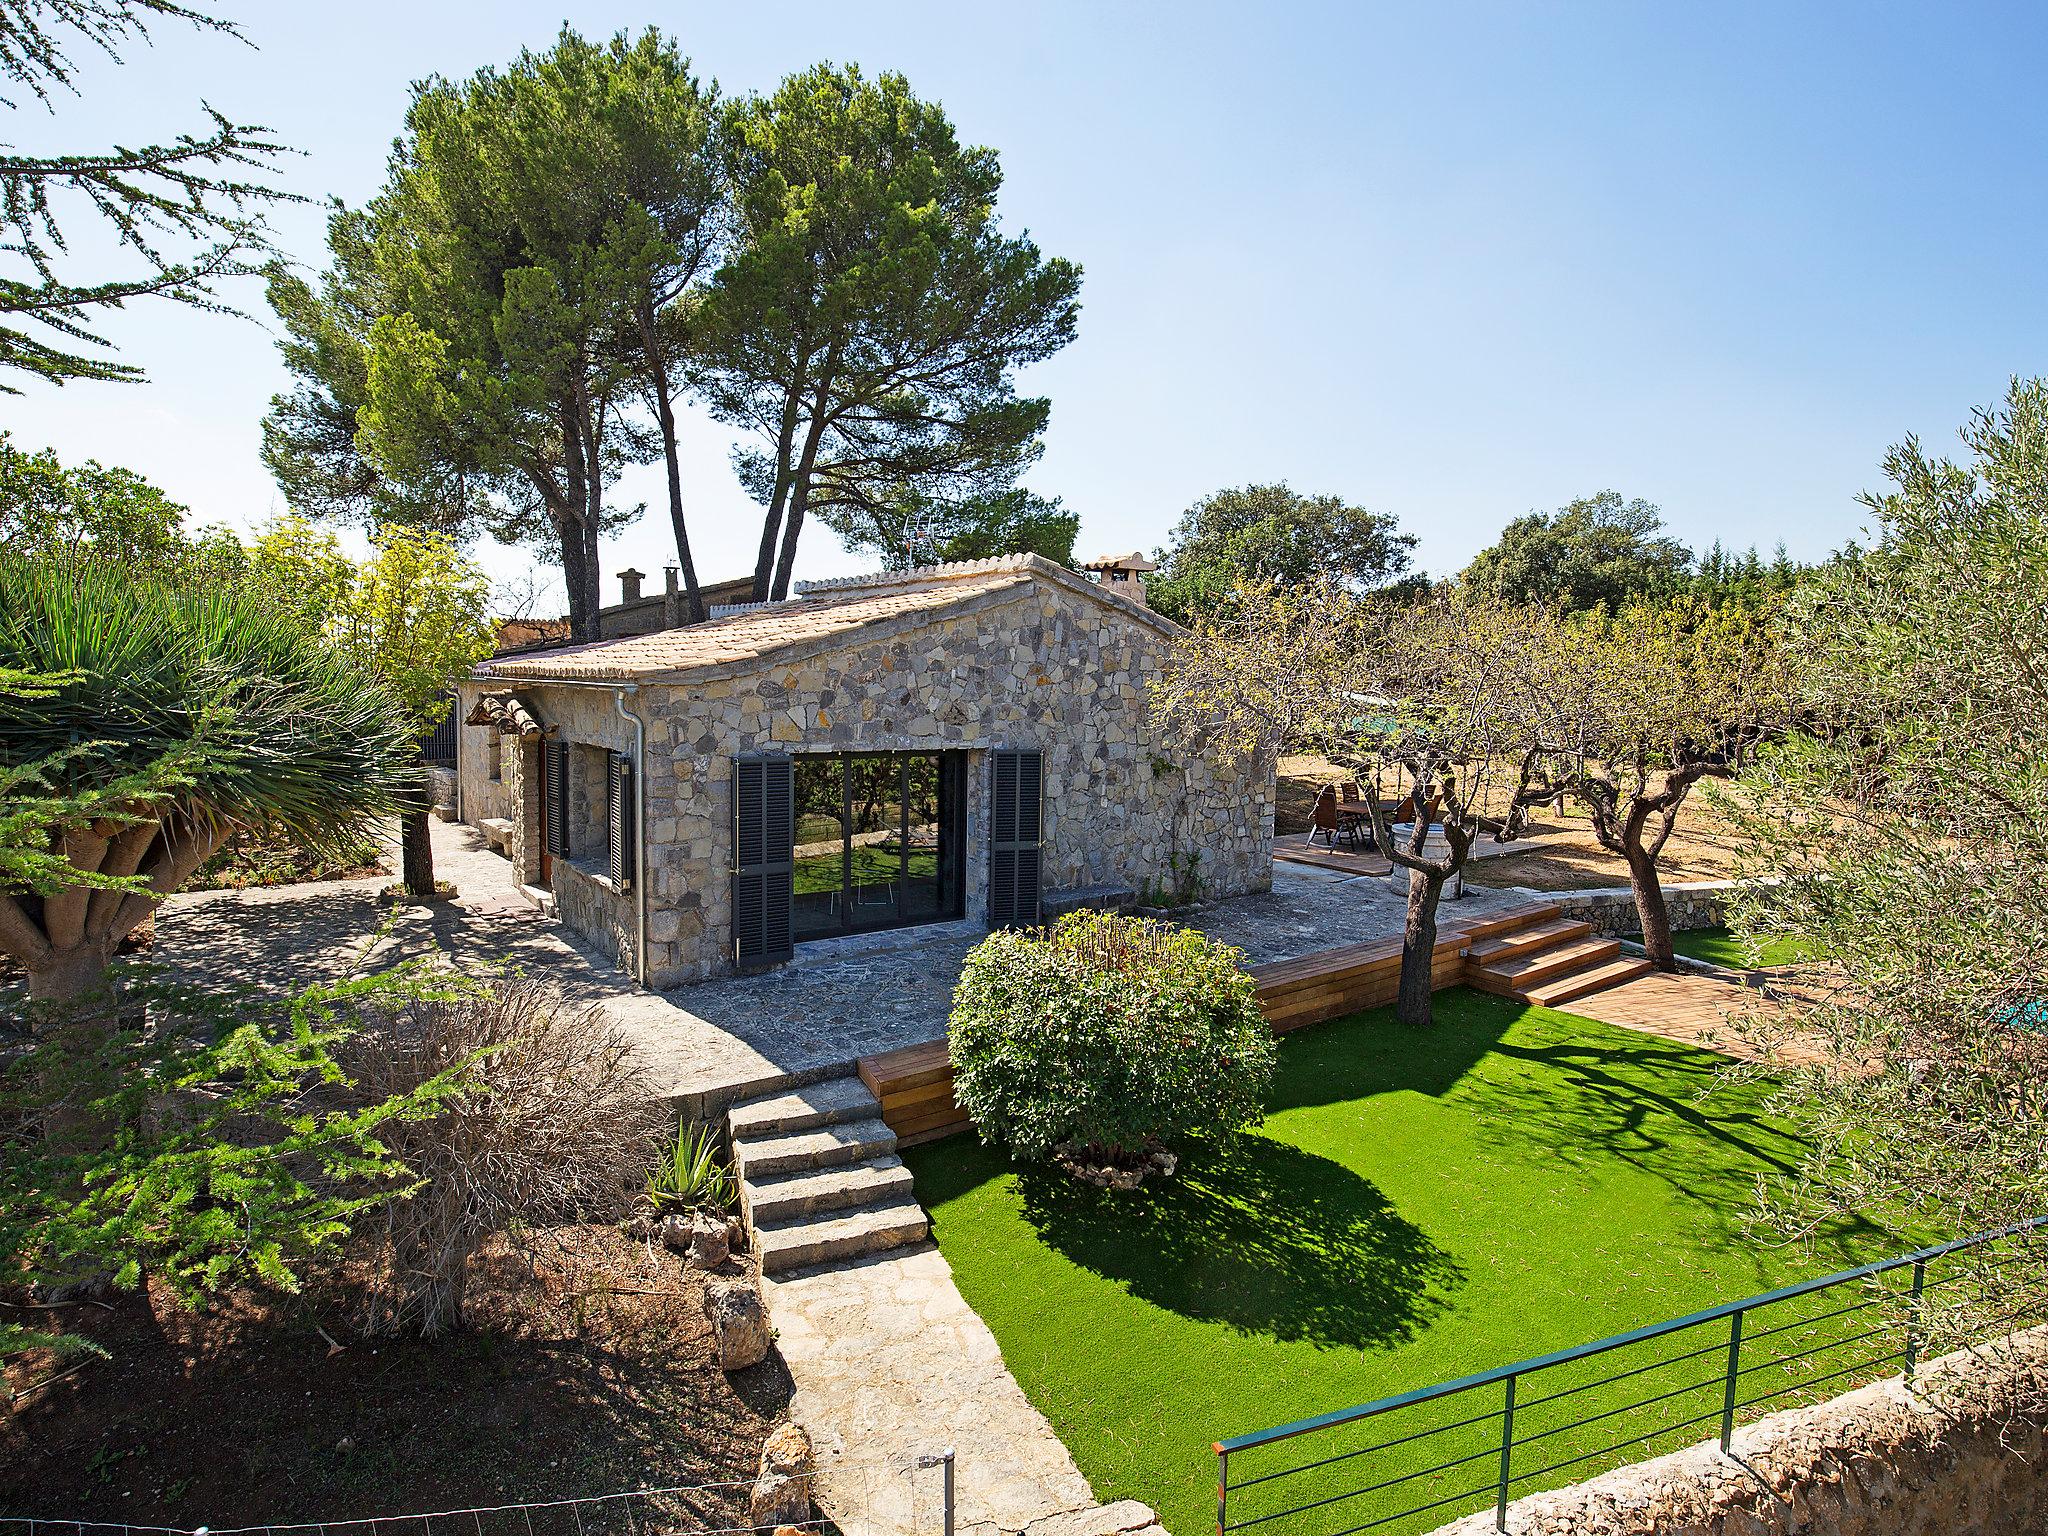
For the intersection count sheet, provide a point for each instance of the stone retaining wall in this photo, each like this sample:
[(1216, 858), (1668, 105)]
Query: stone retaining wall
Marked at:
[(1962, 1455), (1692, 903)]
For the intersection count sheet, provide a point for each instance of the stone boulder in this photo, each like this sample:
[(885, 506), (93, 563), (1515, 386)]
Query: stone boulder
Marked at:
[(782, 1491), (710, 1243), (739, 1324)]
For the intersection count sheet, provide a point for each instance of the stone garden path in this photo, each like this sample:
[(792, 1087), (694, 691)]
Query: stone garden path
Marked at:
[(887, 1357)]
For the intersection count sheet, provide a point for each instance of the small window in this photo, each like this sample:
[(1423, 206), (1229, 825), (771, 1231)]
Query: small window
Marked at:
[(494, 754)]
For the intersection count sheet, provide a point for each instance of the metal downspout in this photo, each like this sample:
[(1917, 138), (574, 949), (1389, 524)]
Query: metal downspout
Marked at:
[(639, 825)]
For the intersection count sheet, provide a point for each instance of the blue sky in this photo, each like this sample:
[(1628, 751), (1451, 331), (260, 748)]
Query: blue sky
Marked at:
[(1455, 262)]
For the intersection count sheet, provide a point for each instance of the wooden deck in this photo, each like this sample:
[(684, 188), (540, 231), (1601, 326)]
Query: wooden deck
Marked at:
[(915, 1087), (915, 1084)]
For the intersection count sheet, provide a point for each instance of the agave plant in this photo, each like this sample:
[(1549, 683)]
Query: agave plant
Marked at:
[(142, 722), (692, 1174)]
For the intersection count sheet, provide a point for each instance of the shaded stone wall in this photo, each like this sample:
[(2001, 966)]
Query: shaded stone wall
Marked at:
[(480, 797), (593, 908), (1692, 903), (1961, 1455)]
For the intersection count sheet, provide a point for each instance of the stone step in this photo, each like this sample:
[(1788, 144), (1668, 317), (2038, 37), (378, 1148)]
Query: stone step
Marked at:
[(782, 1200), (1514, 976), (823, 1146), (1521, 941), (1598, 978), (854, 1235), (834, 1102)]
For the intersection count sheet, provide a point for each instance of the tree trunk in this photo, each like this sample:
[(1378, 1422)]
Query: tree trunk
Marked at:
[(785, 563), (1651, 911), (415, 839), (577, 572), (582, 623), (665, 415), (70, 975), (74, 982), (800, 480), (1413, 1005), (692, 592)]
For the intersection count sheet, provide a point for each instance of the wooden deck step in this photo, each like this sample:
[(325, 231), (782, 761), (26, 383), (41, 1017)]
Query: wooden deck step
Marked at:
[(1506, 922), (914, 1086), (1578, 984), (1514, 977), (1522, 941)]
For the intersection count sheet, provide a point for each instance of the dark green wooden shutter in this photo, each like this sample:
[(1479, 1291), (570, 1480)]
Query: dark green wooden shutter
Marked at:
[(1016, 816), (763, 859), (555, 766), (619, 818)]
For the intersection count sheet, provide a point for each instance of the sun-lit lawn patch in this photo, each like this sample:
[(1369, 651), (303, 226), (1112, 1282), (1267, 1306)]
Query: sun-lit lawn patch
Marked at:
[(1720, 947), (1419, 1205)]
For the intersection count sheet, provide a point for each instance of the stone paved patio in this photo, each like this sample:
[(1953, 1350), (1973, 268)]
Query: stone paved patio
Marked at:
[(849, 998)]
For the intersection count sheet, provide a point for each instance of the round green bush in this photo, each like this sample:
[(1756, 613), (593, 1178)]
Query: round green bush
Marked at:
[(1104, 1032)]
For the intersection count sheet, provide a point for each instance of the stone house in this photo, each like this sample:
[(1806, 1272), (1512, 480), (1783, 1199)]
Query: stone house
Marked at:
[(965, 743)]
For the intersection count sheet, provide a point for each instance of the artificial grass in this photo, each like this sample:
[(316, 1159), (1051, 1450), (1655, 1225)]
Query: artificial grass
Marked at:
[(1718, 946), (1417, 1206)]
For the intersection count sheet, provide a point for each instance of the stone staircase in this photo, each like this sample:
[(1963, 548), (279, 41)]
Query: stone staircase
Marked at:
[(1548, 959), (819, 1177)]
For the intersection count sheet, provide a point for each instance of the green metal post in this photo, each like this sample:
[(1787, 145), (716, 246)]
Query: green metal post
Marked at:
[(1913, 1319), (1507, 1448), (1222, 1490), (1728, 1384)]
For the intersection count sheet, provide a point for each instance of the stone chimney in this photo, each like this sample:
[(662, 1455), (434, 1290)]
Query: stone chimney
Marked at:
[(629, 586), (671, 598), (1123, 574)]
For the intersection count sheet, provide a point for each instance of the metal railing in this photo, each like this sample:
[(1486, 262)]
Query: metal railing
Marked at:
[(1520, 1428)]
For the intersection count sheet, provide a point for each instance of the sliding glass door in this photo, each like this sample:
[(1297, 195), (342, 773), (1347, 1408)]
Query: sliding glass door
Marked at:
[(878, 841)]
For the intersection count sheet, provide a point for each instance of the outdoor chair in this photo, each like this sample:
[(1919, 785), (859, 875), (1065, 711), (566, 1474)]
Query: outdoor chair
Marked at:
[(1324, 821)]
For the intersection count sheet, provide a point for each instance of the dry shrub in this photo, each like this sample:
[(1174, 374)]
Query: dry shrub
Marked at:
[(557, 1120)]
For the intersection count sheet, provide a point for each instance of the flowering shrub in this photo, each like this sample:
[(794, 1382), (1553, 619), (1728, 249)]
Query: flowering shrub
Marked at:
[(1106, 1032)]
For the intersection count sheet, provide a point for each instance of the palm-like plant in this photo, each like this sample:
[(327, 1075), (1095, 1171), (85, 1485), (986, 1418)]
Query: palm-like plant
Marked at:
[(168, 716)]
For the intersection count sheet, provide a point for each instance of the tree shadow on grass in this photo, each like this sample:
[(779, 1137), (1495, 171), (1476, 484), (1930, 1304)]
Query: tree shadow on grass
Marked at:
[(1259, 1235), (1668, 1111), (1362, 1054)]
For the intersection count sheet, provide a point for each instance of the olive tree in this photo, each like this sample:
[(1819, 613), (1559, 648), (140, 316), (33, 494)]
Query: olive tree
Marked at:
[(1446, 691), (1904, 834), (1641, 706)]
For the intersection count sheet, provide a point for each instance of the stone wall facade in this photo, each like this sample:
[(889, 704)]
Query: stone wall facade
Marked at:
[(1044, 669), (1692, 904), (1963, 1454)]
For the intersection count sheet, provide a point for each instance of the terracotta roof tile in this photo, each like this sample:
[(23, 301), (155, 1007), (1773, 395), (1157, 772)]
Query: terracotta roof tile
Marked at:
[(757, 633)]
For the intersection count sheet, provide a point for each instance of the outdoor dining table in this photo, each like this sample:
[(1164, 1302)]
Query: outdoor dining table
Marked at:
[(1350, 813)]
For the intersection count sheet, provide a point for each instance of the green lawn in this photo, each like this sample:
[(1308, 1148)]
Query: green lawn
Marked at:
[(1718, 946), (1417, 1206)]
